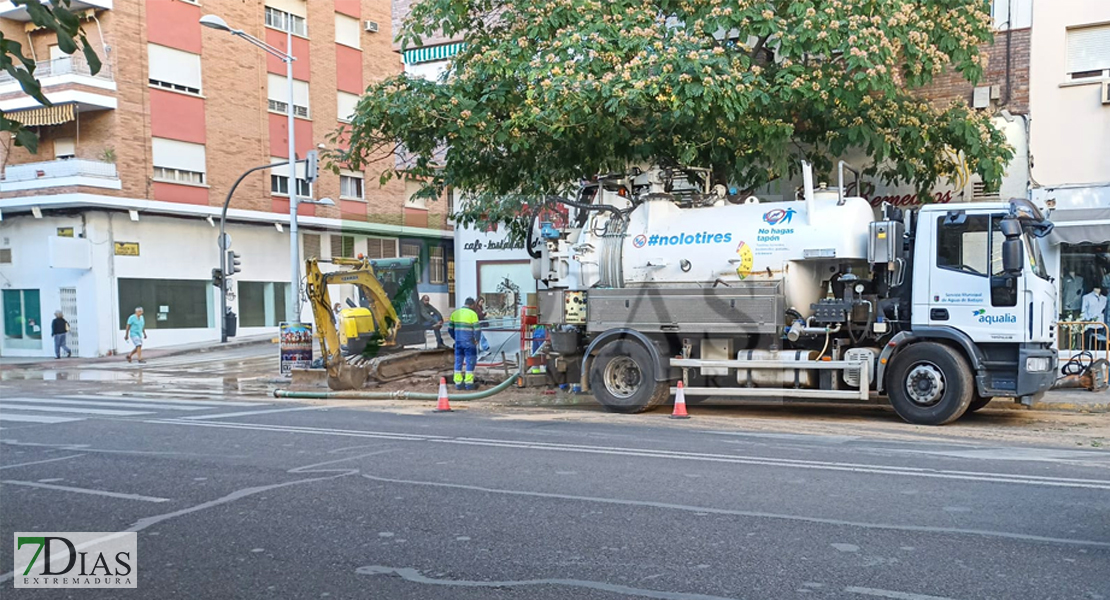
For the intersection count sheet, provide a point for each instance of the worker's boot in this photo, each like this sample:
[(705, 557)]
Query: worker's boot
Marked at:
[(470, 385), (458, 380)]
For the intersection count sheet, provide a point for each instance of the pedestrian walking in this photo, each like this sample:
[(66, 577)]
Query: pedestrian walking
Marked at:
[(432, 319), (464, 328), (59, 328), (136, 333)]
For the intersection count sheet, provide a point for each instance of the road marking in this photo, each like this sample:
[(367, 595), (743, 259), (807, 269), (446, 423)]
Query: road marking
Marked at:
[(39, 462), (414, 576), (36, 418), (746, 513), (248, 413), (66, 488), (1018, 479), (101, 403), (85, 411), (157, 397), (892, 594)]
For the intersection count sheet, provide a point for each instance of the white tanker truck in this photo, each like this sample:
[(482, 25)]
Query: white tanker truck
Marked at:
[(657, 278)]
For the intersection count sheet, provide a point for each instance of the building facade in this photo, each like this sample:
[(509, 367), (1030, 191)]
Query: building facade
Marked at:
[(120, 206), (1070, 144)]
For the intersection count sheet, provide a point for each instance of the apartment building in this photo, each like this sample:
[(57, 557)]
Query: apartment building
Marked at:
[(120, 207), (1070, 143)]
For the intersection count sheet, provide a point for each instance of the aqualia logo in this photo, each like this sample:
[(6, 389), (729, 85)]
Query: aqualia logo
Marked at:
[(993, 319)]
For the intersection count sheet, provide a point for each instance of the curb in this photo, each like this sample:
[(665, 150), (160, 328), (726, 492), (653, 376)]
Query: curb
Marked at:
[(154, 353)]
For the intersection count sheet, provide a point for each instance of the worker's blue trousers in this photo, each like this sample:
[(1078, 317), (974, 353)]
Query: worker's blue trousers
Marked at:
[(468, 355)]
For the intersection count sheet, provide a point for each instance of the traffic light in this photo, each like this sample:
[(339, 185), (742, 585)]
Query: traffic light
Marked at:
[(217, 278), (312, 166), (233, 263)]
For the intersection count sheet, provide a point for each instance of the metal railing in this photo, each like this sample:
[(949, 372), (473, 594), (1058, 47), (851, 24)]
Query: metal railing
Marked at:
[(1085, 336), (69, 65), (71, 167)]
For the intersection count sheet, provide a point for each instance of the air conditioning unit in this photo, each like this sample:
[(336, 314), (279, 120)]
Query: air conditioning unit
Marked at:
[(372, 26), (1106, 92)]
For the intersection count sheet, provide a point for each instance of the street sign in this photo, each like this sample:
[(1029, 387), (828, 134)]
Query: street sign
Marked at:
[(127, 248), (224, 242)]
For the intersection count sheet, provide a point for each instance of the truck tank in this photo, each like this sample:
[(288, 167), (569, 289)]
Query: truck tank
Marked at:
[(665, 245)]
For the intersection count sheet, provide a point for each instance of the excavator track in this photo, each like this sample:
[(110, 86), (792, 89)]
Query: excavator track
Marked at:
[(398, 365)]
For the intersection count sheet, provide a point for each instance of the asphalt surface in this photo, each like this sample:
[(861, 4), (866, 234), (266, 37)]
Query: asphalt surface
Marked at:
[(237, 495)]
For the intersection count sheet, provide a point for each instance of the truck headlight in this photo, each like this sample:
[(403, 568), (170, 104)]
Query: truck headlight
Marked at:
[(1037, 364)]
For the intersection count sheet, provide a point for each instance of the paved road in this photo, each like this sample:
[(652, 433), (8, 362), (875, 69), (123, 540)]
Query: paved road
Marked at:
[(241, 498)]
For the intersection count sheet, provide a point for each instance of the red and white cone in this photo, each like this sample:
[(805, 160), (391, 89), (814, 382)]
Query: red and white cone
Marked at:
[(680, 404), (444, 405)]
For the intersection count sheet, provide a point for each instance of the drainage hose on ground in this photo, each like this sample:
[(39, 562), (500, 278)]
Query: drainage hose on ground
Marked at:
[(397, 394)]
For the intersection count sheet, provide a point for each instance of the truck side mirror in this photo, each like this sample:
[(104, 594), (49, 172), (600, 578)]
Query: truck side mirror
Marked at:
[(1013, 256)]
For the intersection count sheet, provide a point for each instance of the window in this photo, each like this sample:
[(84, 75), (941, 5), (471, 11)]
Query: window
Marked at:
[(279, 179), (262, 303), (22, 319), (1089, 53), (5, 256), (347, 31), (437, 265), (311, 245), (65, 147), (279, 96), (342, 246), (411, 250), (1082, 268), (381, 248), (963, 245), (167, 303), (173, 69), (350, 185), (286, 21), (346, 105), (178, 162), (502, 286)]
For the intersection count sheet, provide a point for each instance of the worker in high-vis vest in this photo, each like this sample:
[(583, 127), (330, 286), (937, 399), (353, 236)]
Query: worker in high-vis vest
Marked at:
[(466, 330)]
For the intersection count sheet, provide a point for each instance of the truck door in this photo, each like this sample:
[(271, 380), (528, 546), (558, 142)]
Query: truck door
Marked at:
[(968, 288)]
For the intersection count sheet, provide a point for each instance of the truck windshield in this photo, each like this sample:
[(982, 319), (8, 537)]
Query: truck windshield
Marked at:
[(1033, 251)]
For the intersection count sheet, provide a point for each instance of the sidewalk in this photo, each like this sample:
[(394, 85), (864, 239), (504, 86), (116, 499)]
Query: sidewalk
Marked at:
[(9, 362)]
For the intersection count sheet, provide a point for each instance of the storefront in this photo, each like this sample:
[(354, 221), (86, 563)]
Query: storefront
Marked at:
[(1078, 249)]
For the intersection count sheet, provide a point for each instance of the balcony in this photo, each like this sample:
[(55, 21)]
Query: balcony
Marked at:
[(8, 10), (60, 173), (67, 80)]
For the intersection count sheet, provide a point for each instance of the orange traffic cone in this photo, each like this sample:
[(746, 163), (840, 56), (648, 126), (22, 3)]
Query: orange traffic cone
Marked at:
[(680, 404), (444, 405)]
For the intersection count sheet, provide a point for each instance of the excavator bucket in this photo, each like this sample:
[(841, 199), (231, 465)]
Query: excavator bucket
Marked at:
[(348, 377)]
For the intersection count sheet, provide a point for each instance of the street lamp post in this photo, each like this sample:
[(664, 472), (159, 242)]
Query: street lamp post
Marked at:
[(293, 310)]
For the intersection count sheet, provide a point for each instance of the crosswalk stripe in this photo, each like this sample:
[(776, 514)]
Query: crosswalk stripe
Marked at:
[(167, 400), (107, 404), (86, 411), (36, 419)]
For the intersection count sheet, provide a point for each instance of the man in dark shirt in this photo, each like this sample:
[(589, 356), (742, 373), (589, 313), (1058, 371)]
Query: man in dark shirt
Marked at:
[(433, 319), (59, 328)]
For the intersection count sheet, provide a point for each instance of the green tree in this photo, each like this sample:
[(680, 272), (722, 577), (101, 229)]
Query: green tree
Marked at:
[(546, 92), (57, 17)]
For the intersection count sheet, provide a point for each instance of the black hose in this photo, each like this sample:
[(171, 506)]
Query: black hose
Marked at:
[(575, 204), (1075, 364), (528, 238)]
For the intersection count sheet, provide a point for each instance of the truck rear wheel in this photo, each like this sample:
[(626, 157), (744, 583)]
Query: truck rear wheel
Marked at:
[(930, 384), (622, 378)]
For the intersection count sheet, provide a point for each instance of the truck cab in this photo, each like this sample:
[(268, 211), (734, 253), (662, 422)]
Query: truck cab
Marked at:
[(998, 308)]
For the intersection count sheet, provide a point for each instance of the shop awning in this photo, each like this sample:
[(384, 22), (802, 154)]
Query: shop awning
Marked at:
[(46, 115), (1080, 226)]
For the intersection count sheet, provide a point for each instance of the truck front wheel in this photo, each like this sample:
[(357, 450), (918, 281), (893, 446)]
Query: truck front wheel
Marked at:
[(621, 378), (930, 384)]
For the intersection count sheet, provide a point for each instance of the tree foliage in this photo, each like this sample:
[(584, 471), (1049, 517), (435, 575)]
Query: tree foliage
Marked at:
[(56, 17), (546, 92)]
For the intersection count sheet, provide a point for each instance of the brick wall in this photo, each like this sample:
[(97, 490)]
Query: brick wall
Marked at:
[(951, 86)]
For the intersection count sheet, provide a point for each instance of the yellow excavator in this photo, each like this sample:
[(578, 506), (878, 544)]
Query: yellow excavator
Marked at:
[(367, 340)]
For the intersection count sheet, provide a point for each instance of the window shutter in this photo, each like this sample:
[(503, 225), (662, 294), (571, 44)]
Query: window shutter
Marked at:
[(176, 67), (172, 154), (346, 104), (347, 31), (293, 7), (1089, 49), (311, 246)]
